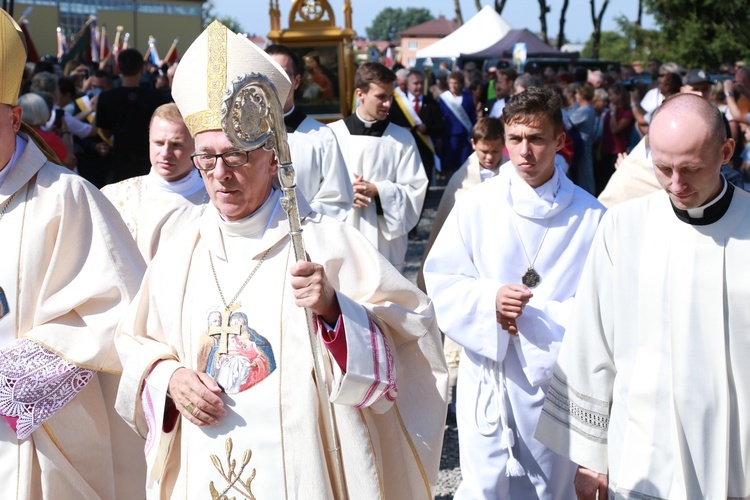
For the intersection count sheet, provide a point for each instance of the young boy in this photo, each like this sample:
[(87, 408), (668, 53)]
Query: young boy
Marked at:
[(488, 143)]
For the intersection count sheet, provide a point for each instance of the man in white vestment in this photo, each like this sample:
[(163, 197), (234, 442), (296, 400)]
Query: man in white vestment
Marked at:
[(322, 177), (389, 181), (218, 331), (69, 270), (503, 274), (651, 393), (484, 164), (171, 196)]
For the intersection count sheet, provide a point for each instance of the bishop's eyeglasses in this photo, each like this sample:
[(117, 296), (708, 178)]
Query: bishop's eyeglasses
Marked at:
[(205, 162)]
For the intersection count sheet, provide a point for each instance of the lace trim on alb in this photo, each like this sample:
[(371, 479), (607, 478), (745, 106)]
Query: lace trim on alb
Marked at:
[(35, 383)]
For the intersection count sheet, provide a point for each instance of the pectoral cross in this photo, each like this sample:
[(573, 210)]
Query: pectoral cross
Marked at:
[(224, 330)]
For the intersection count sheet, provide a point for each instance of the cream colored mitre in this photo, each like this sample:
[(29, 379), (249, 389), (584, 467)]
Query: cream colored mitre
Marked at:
[(209, 66), (12, 59)]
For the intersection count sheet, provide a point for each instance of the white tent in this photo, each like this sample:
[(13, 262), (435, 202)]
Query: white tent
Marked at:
[(481, 31)]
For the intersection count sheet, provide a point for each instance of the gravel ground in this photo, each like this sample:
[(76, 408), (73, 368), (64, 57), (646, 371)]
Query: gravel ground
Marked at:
[(450, 472)]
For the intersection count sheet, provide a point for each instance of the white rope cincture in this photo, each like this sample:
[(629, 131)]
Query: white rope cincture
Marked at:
[(493, 374)]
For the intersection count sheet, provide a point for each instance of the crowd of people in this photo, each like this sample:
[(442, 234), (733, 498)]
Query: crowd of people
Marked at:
[(165, 333)]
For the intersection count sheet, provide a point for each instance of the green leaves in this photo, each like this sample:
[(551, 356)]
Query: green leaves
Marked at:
[(390, 22)]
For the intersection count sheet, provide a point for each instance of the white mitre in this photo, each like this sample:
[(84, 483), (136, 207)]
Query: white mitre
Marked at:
[(207, 70)]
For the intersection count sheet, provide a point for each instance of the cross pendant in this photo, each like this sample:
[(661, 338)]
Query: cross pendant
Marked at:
[(224, 330)]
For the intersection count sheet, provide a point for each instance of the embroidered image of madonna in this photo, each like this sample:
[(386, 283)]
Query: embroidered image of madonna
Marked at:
[(249, 358)]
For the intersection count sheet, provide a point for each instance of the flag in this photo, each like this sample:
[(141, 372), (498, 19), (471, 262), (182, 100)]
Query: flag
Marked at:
[(62, 45), (95, 39), (152, 55), (81, 46), (171, 56), (32, 54), (111, 54), (388, 57), (103, 45)]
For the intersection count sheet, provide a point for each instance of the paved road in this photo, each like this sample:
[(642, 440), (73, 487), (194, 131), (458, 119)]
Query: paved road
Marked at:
[(450, 473)]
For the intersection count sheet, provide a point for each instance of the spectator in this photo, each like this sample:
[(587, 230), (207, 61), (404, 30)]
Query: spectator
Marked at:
[(459, 116), (124, 114)]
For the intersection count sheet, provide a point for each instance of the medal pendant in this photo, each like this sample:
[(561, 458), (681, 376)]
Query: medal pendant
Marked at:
[(531, 278)]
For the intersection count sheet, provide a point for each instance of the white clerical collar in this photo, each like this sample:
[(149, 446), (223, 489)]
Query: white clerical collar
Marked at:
[(190, 184), (20, 147), (697, 213), (366, 123), (255, 224), (542, 202), (547, 191), (489, 173), (290, 111)]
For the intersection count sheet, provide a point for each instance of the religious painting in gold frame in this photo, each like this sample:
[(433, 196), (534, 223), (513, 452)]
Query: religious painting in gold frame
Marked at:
[(321, 85)]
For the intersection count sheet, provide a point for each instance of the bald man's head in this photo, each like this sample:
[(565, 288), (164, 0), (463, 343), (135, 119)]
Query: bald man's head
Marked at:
[(688, 142), (677, 106)]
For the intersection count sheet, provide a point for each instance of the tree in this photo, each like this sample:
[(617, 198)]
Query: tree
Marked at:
[(698, 33), (499, 6), (561, 32), (457, 8), (597, 20), (629, 43), (543, 10), (209, 14), (390, 22)]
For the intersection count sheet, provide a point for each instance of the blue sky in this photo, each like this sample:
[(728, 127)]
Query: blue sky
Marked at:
[(253, 14)]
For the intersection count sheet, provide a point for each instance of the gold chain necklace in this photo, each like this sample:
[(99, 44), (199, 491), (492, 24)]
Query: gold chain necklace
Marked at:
[(225, 329)]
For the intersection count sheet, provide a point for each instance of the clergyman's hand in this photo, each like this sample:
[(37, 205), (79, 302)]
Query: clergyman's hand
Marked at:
[(509, 303), (364, 192), (313, 290), (587, 483), (195, 394)]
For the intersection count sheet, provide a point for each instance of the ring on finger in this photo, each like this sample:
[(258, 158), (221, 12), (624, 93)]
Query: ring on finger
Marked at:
[(190, 407)]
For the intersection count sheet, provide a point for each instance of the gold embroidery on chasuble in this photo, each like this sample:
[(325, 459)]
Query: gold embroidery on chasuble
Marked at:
[(232, 477)]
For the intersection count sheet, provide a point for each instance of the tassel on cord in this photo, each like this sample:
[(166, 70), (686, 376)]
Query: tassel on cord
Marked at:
[(496, 374)]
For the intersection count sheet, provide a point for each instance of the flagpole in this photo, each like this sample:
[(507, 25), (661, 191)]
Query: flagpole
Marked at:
[(171, 50)]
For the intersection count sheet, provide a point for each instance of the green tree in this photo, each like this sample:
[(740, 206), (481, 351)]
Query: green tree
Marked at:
[(389, 22), (209, 14), (629, 43), (700, 33)]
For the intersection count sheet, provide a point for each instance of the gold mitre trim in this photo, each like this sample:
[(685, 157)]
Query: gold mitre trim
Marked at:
[(208, 68), (12, 59)]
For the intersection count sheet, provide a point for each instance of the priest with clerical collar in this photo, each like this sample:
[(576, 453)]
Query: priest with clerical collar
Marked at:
[(217, 364), (389, 181), (651, 392)]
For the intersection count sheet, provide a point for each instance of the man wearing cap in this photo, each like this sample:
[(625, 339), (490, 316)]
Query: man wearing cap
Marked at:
[(321, 174), (218, 371), (171, 196), (651, 392), (69, 270)]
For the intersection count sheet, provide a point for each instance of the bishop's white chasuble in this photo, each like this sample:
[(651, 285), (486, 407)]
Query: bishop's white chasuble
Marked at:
[(389, 405)]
